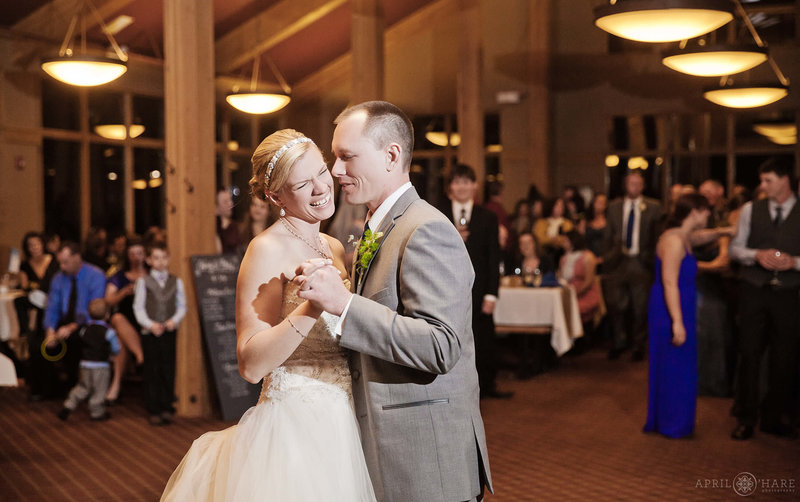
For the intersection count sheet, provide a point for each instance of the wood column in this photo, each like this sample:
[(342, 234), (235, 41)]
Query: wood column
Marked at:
[(367, 47), (469, 98), (539, 95), (189, 149)]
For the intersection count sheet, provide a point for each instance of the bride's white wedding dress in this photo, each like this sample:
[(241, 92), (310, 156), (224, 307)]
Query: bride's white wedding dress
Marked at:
[(299, 443)]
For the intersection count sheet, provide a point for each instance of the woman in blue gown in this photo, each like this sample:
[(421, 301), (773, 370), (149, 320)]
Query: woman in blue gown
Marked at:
[(672, 320)]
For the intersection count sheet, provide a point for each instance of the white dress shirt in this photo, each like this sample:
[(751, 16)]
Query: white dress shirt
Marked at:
[(374, 223), (140, 295), (637, 218), (458, 207), (739, 250)]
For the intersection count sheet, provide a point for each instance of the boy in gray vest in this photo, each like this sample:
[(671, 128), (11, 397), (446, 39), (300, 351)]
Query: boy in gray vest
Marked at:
[(159, 304), (98, 342)]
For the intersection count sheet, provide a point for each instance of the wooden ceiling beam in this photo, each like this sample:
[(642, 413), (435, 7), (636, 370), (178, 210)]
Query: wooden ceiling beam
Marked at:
[(339, 69), (267, 29), (49, 19)]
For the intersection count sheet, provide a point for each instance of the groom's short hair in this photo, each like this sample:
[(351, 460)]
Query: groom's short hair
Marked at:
[(385, 124)]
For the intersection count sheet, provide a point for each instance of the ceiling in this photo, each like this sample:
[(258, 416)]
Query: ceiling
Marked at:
[(319, 32)]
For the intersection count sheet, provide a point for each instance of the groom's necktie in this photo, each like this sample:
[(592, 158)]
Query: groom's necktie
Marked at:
[(359, 270), (629, 230)]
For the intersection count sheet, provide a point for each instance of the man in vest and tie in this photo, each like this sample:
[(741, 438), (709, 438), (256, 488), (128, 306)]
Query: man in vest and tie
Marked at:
[(767, 244), (71, 290), (629, 245), (159, 304)]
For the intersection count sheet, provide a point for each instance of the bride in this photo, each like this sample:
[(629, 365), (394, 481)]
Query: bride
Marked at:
[(300, 442)]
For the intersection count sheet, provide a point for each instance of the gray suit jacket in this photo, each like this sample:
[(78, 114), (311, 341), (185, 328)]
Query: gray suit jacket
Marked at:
[(414, 381)]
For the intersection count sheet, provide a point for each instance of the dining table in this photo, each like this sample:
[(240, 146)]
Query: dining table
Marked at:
[(540, 310)]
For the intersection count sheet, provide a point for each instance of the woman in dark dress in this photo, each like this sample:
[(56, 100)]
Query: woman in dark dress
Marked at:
[(672, 320), (36, 272), (119, 296), (596, 226)]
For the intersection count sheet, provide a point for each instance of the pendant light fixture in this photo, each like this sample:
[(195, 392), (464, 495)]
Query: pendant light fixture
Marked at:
[(715, 60), (259, 103), (662, 20), (746, 96), (780, 133), (83, 69), (749, 96), (118, 131)]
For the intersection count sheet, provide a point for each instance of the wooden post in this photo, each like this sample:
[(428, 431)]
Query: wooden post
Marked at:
[(468, 97), (366, 81), (539, 27), (85, 167), (189, 149)]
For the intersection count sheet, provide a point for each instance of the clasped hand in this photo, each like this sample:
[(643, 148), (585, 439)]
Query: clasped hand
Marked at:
[(773, 259), (321, 284)]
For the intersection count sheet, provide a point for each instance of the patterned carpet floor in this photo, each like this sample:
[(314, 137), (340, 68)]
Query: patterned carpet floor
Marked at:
[(573, 433)]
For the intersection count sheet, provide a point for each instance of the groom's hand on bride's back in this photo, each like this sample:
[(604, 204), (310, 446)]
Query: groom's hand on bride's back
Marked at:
[(321, 284)]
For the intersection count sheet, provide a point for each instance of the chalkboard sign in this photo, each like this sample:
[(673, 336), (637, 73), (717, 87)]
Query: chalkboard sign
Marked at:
[(215, 286)]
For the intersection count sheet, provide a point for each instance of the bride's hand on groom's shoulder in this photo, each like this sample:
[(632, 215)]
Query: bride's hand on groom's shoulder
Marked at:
[(322, 285)]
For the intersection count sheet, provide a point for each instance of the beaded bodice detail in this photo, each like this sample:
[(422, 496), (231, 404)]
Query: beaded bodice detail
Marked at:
[(318, 364)]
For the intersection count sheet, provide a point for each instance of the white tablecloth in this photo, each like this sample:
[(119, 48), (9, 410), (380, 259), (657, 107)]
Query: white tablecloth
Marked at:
[(554, 308), (9, 324)]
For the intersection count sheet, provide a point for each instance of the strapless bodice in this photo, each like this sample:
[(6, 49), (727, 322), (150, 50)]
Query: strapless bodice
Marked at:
[(317, 360)]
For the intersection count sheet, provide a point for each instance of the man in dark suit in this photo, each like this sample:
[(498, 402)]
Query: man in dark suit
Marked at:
[(767, 245), (478, 228), (629, 243)]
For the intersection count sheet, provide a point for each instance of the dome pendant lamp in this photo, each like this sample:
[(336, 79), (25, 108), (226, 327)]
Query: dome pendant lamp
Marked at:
[(715, 60), (260, 103), (662, 20), (85, 70)]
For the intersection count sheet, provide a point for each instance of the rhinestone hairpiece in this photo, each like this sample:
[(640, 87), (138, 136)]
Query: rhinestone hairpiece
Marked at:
[(281, 151)]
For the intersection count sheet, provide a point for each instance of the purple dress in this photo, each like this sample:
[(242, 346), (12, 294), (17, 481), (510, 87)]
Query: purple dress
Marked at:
[(673, 370)]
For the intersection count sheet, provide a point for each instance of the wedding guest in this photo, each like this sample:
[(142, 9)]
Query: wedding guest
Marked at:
[(767, 244), (530, 262), (228, 238), (255, 221), (575, 206), (548, 230), (154, 234), (119, 297), (479, 229), (98, 342), (95, 248), (159, 305), (672, 323), (52, 242), (35, 274), (521, 218), (577, 267), (494, 203), (629, 244), (117, 244), (71, 290), (714, 340), (596, 226)]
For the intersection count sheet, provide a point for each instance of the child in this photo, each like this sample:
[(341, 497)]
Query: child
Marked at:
[(159, 304), (98, 343)]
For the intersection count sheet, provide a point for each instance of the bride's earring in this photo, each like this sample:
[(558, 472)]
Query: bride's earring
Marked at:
[(283, 212)]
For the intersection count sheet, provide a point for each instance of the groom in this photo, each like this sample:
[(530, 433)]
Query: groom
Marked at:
[(409, 324)]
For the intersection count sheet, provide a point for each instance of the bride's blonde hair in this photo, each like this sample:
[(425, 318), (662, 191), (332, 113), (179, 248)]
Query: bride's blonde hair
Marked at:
[(263, 180)]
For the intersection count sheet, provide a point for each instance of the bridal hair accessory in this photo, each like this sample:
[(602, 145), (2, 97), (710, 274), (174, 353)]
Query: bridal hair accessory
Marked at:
[(275, 158)]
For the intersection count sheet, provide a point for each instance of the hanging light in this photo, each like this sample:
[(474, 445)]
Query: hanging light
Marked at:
[(662, 20), (780, 133), (259, 103), (715, 60), (746, 97), (441, 138), (118, 131), (85, 70)]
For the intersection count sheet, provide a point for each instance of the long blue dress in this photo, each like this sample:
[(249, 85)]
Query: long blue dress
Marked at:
[(673, 370)]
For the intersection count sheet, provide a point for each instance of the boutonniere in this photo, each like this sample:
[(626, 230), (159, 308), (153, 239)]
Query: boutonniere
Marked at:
[(367, 247), (642, 207)]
